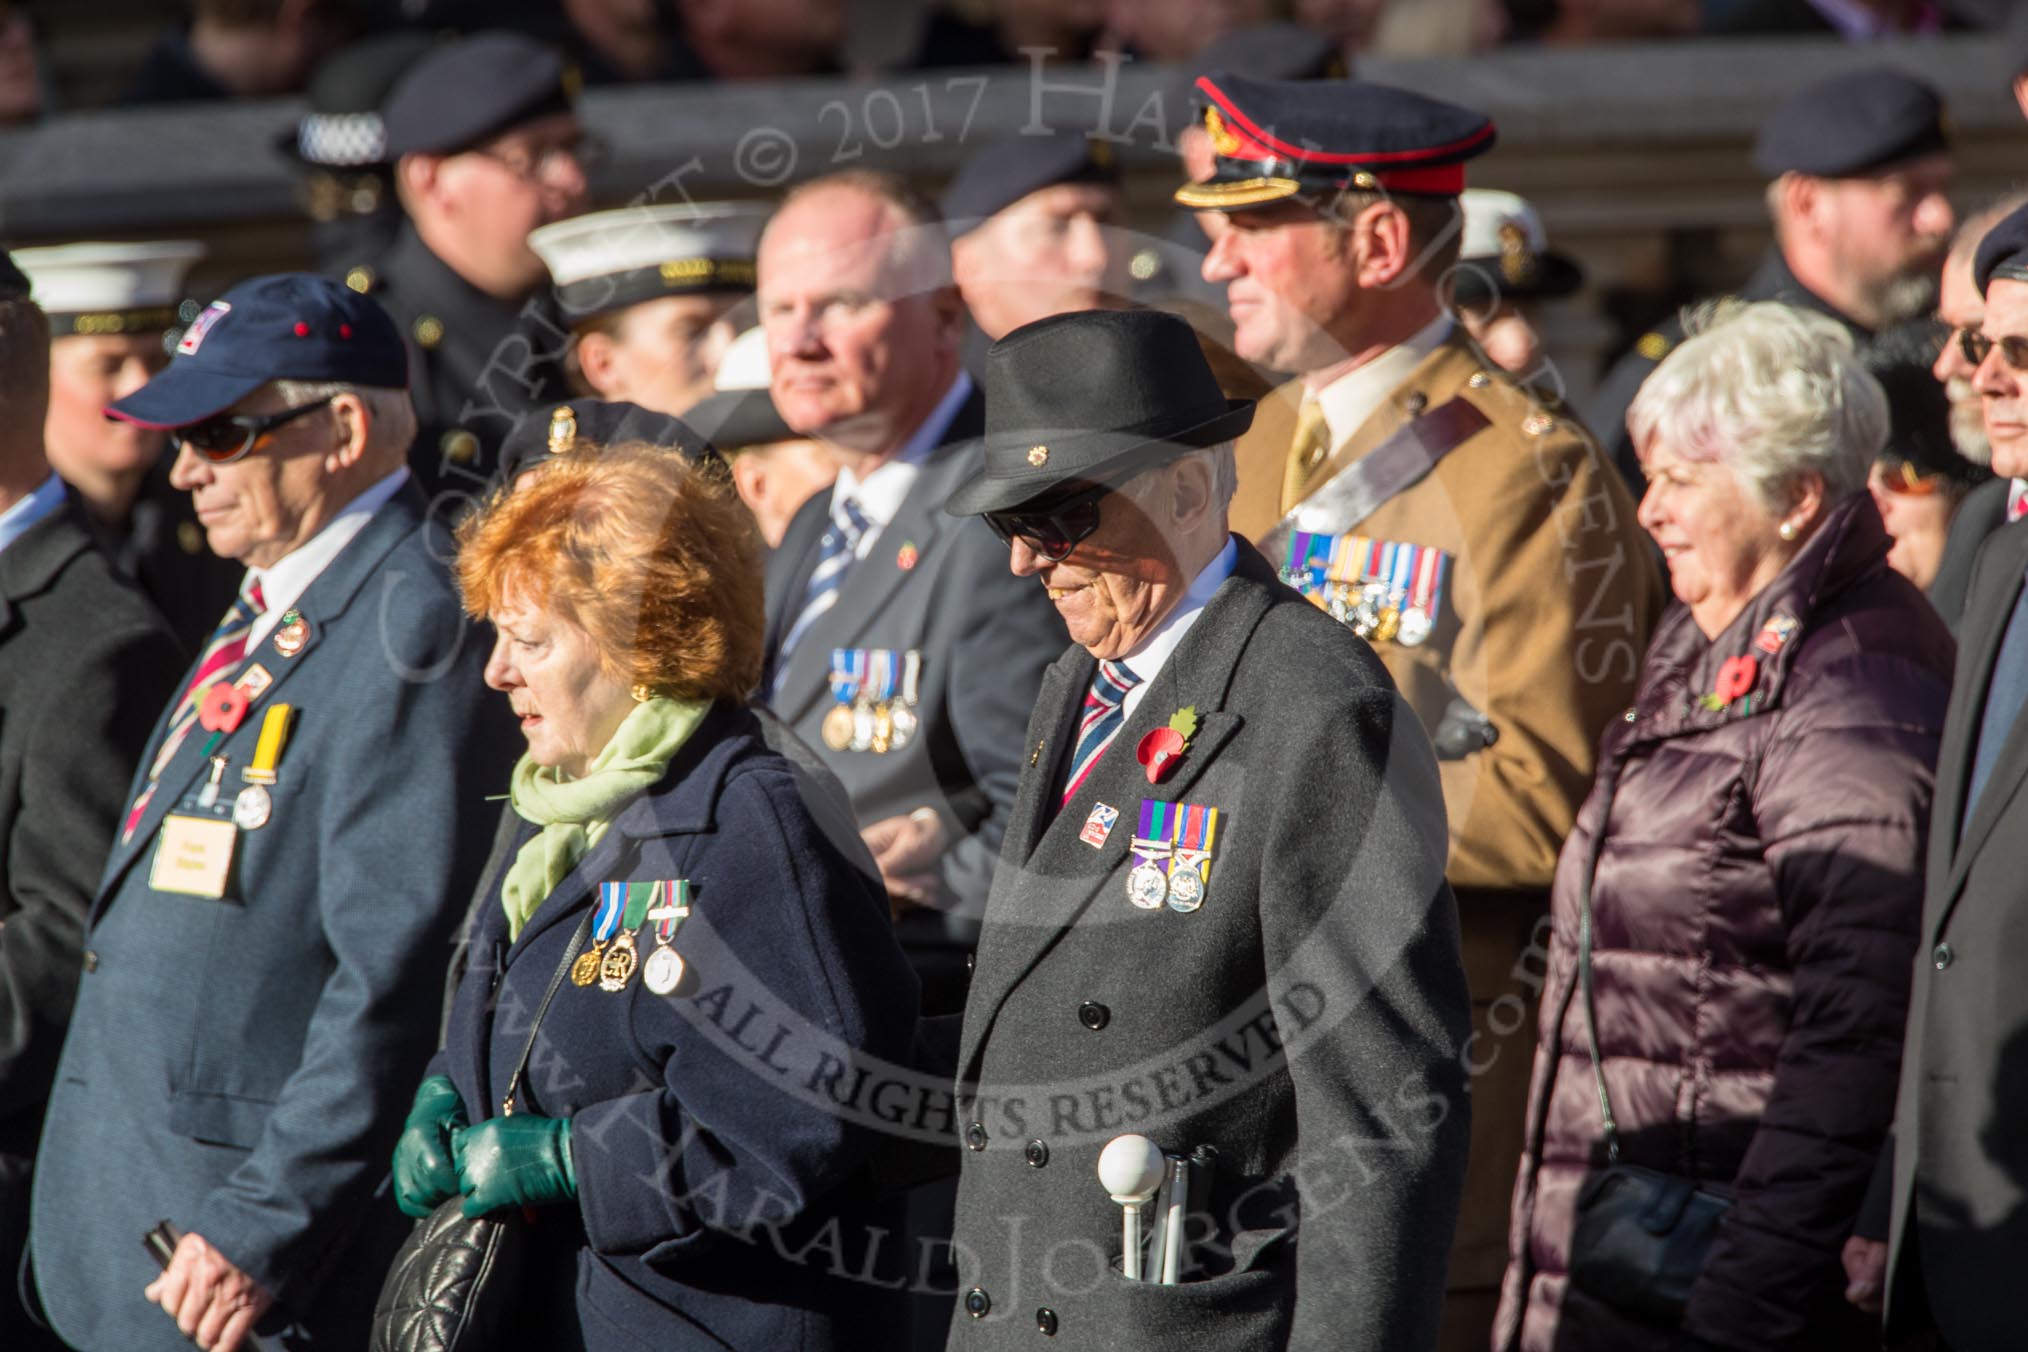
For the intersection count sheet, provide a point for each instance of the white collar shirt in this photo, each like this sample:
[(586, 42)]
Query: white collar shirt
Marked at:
[(283, 584), (1148, 660), (1354, 397), (880, 494)]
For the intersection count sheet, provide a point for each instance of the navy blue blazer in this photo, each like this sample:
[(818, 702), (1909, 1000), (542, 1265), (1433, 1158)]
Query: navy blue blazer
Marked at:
[(241, 1066), (719, 1134)]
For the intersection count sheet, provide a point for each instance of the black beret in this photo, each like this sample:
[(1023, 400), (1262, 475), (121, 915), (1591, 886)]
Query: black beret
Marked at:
[(736, 419), (13, 281), (462, 92), (596, 422), (343, 128), (1851, 124), (2003, 253), (1276, 139), (1007, 171)]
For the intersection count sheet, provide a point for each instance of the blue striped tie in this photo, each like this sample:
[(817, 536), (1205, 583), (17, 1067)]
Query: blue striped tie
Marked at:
[(1104, 713), (835, 554)]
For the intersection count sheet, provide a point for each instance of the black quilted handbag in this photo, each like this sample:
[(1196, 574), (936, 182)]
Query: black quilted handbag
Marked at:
[(455, 1285)]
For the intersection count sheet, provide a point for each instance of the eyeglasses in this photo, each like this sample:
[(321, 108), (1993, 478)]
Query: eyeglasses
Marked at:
[(533, 164), (224, 439), (1056, 530), (1905, 480), (1975, 346)]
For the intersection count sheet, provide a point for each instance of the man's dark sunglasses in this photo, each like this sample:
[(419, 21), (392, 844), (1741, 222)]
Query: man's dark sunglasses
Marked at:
[(1055, 529), (224, 439), (1975, 346)]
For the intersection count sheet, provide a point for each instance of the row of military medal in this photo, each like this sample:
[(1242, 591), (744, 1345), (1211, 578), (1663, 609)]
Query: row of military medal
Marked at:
[(876, 691), (1172, 853), (622, 909), (1386, 591)]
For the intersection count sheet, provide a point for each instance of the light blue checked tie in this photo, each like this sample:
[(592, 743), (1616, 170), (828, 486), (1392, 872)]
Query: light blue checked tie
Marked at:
[(835, 554), (1104, 713)]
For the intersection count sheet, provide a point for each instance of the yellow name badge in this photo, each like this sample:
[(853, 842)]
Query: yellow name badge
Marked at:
[(193, 856)]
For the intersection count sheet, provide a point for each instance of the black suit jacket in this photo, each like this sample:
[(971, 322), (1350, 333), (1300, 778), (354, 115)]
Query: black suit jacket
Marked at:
[(1305, 1021), (85, 664), (939, 585), (1983, 511), (1959, 1164)]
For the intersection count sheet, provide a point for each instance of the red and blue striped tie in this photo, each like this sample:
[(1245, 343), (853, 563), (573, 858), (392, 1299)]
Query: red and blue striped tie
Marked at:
[(1104, 715), (222, 655)]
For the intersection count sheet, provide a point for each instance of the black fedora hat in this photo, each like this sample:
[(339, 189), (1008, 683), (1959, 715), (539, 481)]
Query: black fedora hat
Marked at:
[(1090, 396)]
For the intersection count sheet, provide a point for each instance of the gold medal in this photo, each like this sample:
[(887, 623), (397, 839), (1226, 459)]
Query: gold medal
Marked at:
[(883, 728), (586, 969), (618, 964), (838, 727)]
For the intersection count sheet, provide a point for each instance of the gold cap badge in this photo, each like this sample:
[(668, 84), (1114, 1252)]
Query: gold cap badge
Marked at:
[(1038, 456), (1222, 138)]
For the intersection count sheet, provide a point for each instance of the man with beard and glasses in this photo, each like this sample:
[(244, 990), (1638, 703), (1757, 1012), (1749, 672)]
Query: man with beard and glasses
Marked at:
[(1858, 167), (1961, 309)]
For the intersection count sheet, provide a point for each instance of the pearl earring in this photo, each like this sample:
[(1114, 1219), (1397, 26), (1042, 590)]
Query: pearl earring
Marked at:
[(1788, 530)]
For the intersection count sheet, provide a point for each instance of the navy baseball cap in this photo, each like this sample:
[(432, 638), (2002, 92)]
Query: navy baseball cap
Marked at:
[(288, 326)]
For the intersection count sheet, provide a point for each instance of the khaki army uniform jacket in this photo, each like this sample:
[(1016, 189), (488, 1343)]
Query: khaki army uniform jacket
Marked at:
[(1550, 595)]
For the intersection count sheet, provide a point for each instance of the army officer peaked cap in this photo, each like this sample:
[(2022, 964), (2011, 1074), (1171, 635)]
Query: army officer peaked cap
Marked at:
[(1276, 139), (1093, 396)]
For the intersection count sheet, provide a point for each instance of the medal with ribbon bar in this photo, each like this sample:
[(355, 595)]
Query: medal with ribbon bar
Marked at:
[(1418, 620), (669, 907), (881, 678), (605, 920), (847, 669), (618, 965), (1148, 883), (1190, 870), (901, 715)]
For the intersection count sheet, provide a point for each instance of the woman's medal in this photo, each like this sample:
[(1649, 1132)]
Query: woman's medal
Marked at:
[(664, 969), (605, 920), (619, 962), (1148, 884)]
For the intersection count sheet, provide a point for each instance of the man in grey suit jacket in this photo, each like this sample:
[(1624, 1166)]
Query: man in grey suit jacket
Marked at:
[(84, 663), (896, 638), (1220, 921), (1956, 1172), (263, 956)]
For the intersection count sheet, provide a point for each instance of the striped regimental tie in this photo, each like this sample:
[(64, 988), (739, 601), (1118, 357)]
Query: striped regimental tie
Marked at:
[(835, 555), (222, 654), (1104, 715)]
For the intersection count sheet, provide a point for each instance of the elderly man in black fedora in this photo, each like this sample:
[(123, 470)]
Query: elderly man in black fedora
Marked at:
[(1220, 924)]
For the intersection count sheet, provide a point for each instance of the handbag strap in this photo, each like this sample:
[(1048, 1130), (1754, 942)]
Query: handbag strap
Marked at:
[(570, 953), (1608, 779)]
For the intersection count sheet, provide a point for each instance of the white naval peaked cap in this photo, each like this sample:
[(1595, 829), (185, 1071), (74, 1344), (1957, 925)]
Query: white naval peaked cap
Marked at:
[(96, 288), (612, 259)]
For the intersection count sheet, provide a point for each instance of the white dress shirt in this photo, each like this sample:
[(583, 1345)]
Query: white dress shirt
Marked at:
[(1353, 397), (1148, 659), (880, 494), (17, 520), (283, 584)]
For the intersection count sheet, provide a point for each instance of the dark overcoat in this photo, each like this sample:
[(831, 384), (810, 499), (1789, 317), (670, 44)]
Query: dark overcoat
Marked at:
[(1958, 1168), (240, 1066), (721, 1199), (940, 586), (1305, 1022), (84, 664)]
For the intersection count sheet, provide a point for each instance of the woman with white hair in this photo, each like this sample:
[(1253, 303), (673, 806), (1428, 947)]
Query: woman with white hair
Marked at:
[(1737, 910)]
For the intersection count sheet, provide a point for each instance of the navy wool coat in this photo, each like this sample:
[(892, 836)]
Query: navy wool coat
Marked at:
[(722, 1200), (240, 1065)]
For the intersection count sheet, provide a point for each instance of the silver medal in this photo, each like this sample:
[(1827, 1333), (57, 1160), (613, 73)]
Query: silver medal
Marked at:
[(862, 727), (1415, 626), (1147, 887), (253, 807), (663, 971), (1186, 889), (903, 723)]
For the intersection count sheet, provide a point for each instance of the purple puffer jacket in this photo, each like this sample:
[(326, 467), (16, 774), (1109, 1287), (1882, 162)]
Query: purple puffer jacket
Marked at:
[(1757, 903)]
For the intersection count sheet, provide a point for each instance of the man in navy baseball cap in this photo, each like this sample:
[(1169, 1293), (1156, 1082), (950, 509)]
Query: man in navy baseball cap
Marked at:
[(285, 399)]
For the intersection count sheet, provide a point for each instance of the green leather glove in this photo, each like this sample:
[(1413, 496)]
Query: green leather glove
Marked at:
[(424, 1173), (514, 1161)]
